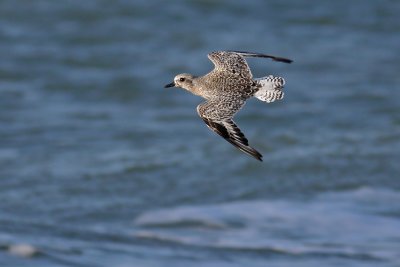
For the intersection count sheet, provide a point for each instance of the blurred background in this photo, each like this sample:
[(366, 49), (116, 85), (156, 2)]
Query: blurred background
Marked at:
[(102, 166)]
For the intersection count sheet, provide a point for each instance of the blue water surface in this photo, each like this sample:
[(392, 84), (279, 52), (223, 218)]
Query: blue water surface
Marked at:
[(102, 166)]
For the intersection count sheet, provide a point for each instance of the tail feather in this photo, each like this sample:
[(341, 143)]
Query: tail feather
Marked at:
[(270, 88)]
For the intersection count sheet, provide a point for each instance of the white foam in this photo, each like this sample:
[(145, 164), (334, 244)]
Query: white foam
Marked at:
[(23, 250), (332, 223)]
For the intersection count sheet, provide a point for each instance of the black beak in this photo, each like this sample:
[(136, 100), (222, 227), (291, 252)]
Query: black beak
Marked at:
[(170, 85)]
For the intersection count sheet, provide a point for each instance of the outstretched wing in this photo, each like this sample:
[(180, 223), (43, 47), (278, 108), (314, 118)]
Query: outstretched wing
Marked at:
[(218, 117), (234, 62), (231, 133), (250, 54), (230, 62)]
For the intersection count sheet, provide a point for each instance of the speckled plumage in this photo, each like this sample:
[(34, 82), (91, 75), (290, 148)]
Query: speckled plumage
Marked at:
[(226, 89)]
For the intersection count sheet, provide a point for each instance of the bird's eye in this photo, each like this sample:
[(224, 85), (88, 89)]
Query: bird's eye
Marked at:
[(181, 79)]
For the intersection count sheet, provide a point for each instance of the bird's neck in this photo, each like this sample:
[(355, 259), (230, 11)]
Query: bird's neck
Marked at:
[(193, 87)]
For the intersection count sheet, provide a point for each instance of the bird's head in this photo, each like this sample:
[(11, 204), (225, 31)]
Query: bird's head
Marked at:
[(183, 80)]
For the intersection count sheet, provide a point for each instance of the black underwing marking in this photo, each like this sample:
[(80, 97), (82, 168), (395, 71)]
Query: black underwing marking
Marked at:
[(237, 139)]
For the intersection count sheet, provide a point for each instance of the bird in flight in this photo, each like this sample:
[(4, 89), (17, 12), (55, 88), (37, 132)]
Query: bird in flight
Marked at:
[(226, 89)]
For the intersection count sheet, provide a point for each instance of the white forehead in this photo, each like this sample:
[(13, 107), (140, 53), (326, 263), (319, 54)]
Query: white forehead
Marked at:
[(183, 75)]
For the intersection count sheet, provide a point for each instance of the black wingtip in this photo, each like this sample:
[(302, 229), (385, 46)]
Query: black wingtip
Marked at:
[(248, 150), (255, 154), (282, 59), (274, 58), (259, 158)]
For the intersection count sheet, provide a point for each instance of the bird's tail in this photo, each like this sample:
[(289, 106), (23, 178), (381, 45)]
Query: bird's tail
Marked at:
[(271, 88)]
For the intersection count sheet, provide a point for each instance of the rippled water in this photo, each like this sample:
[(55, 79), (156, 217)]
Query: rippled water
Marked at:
[(102, 166)]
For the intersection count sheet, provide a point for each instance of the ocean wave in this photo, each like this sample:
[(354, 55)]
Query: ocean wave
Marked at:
[(339, 224)]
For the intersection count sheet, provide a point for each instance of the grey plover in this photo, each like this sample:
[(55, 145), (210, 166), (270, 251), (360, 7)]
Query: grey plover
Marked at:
[(226, 89)]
